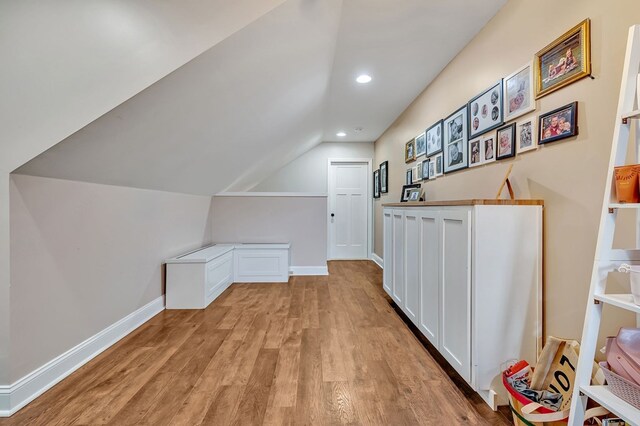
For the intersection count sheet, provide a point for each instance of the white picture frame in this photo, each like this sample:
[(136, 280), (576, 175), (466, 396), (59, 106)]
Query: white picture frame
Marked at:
[(414, 174), (488, 145), (437, 169), (475, 156), (526, 136), (518, 96)]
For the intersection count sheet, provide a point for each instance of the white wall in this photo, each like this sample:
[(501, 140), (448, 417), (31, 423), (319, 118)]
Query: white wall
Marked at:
[(301, 221), (308, 173), (84, 256)]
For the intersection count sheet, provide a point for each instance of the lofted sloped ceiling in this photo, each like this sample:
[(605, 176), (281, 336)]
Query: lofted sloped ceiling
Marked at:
[(270, 92)]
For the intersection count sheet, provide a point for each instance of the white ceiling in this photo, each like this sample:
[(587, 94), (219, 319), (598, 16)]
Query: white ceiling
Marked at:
[(268, 93)]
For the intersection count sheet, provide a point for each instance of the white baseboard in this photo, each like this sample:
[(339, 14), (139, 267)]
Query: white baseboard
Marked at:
[(34, 384), (378, 260), (308, 270)]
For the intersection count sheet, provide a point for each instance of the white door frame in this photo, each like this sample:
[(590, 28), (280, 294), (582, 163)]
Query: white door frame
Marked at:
[(368, 162)]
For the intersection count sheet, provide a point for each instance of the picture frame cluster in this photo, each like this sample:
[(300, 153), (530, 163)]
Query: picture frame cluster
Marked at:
[(496, 124)]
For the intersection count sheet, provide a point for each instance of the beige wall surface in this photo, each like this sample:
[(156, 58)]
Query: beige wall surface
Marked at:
[(84, 256), (301, 221), (568, 175), (308, 173)]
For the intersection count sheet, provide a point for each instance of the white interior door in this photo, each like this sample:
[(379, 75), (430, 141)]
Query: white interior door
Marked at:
[(348, 210)]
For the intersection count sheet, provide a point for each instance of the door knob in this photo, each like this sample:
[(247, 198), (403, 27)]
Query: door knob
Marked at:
[(332, 215)]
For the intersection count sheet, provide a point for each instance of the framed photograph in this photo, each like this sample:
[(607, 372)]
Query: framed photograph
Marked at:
[(384, 177), (526, 136), (434, 139), (455, 141), (518, 93), (425, 169), (421, 145), (376, 184), (565, 61), (558, 124), (485, 111), (435, 166), (410, 151), (475, 158), (404, 195), (415, 194), (414, 174), (506, 137), (488, 144), (408, 180)]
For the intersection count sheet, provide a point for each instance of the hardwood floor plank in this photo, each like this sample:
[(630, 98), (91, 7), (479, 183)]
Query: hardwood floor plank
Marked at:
[(313, 351)]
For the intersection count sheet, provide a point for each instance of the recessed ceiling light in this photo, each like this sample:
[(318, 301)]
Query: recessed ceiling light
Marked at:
[(364, 78), (341, 134)]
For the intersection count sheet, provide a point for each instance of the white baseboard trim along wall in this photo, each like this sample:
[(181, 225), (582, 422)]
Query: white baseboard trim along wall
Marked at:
[(309, 270), (378, 260), (34, 384)]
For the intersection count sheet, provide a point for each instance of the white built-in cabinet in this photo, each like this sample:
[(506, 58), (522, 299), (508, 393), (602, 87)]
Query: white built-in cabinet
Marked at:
[(469, 276)]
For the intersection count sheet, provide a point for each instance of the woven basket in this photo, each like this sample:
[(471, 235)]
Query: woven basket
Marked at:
[(621, 387)]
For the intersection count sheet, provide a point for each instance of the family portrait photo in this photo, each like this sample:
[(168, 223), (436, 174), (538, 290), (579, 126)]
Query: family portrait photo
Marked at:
[(558, 124), (564, 61), (488, 149), (518, 93), (410, 151), (526, 136)]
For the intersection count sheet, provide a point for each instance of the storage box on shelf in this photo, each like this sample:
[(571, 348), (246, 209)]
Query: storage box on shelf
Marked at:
[(468, 274)]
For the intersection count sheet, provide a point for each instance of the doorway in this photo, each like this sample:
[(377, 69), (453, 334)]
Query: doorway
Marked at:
[(349, 209)]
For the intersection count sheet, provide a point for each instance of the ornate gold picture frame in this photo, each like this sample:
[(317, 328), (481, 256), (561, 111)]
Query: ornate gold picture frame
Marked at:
[(565, 61)]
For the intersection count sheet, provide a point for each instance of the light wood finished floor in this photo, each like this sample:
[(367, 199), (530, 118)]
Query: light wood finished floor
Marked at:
[(318, 350)]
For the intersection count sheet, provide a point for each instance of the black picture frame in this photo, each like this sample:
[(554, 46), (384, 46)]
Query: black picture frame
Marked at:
[(384, 177), (435, 136), (482, 109), (425, 168), (404, 194), (376, 184), (503, 134), (456, 145), (563, 115)]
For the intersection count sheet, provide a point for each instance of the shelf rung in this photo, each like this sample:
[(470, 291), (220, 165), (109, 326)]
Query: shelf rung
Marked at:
[(624, 205), (622, 255), (603, 396), (624, 301), (631, 115)]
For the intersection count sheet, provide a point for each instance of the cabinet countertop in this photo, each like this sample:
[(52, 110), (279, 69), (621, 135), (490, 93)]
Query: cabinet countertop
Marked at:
[(470, 202)]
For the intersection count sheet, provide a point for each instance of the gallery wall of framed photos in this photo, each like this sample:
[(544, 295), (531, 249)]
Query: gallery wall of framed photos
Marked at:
[(526, 44)]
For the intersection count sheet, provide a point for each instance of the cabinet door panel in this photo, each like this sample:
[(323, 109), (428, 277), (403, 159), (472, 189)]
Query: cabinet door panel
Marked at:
[(398, 257), (387, 272), (455, 291), (411, 305), (429, 276)]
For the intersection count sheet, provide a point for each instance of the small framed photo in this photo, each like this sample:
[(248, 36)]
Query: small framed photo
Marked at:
[(415, 170), (409, 179), (506, 137), (518, 93), (384, 177), (485, 111), (425, 169), (376, 184), (404, 196), (421, 145), (434, 139), (415, 194), (526, 136), (475, 158), (410, 151), (488, 146), (435, 166), (558, 124), (456, 153), (566, 60)]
